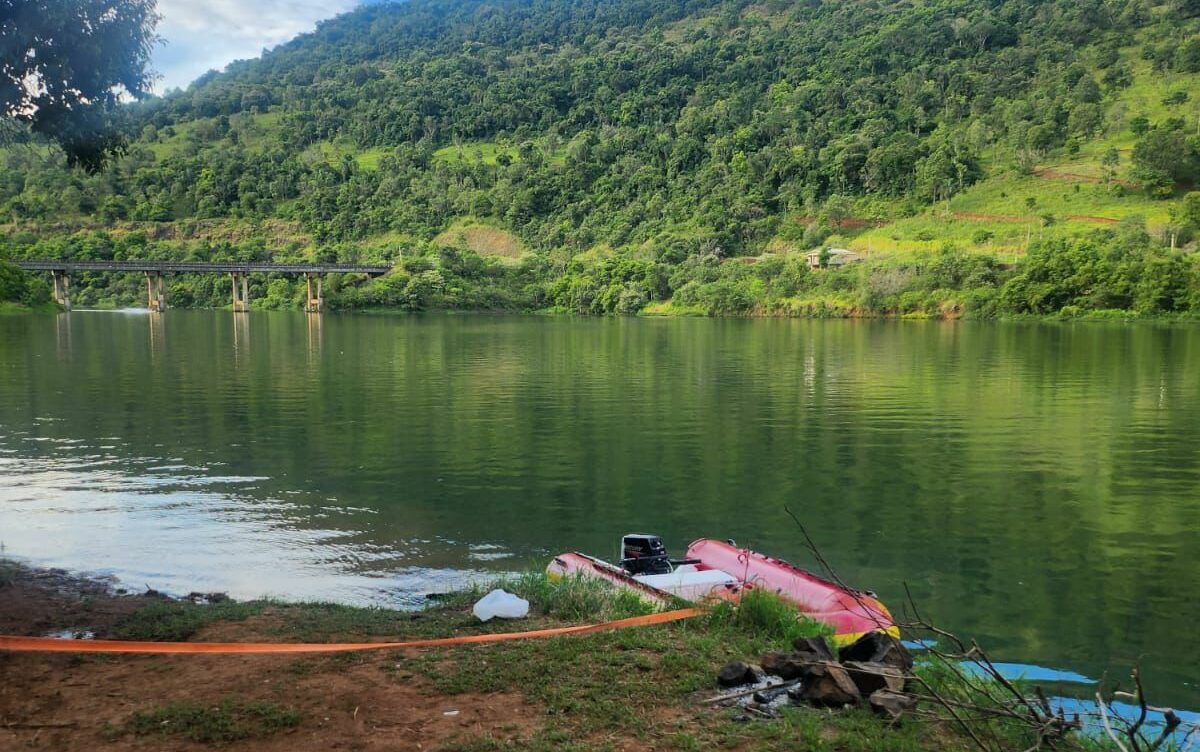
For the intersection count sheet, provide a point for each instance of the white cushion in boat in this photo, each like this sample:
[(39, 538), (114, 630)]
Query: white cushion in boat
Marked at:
[(688, 583)]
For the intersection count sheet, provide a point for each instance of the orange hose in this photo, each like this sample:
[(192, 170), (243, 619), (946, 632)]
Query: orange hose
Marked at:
[(57, 645)]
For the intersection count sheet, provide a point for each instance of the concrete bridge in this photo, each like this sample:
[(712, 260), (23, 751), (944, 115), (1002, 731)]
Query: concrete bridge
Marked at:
[(156, 291)]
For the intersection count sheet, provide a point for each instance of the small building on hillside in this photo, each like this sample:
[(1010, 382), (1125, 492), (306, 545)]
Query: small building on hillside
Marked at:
[(836, 257)]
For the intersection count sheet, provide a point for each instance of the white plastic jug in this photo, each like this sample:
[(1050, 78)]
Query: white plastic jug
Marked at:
[(502, 604)]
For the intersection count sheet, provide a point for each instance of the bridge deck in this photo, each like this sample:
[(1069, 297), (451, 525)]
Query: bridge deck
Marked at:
[(47, 265)]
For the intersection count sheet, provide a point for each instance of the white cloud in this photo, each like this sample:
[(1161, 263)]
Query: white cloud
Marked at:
[(212, 33)]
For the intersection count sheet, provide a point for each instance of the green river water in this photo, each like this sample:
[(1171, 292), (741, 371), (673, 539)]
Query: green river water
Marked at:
[(1037, 485)]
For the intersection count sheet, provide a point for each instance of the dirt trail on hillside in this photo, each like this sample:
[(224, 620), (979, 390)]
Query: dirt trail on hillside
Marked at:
[(1049, 173), (848, 223), (976, 217), (860, 223)]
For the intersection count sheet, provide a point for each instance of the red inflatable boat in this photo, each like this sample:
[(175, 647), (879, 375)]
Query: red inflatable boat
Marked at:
[(715, 569)]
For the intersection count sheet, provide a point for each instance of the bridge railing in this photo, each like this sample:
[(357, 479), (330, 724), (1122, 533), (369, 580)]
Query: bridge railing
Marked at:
[(54, 265)]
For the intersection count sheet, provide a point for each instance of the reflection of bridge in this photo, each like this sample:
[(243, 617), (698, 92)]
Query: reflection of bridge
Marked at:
[(61, 270)]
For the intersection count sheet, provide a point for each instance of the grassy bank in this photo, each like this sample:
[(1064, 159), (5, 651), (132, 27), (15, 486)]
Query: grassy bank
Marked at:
[(635, 688)]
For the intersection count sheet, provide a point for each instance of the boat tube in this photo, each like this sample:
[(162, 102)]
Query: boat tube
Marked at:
[(851, 613)]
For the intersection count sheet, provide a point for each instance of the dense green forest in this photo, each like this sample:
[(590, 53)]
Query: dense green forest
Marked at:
[(980, 157)]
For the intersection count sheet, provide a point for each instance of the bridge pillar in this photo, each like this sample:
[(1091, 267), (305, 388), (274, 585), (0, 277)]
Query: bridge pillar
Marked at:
[(62, 288), (241, 292), (314, 303), (156, 291)]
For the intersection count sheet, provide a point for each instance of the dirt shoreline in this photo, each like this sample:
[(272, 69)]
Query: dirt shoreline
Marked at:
[(72, 703)]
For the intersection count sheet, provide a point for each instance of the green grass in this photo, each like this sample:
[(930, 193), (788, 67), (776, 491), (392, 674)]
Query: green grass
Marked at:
[(762, 613), (260, 130), (369, 159), (472, 151), (175, 621), (998, 206), (229, 721), (334, 622), (333, 152), (668, 308), (573, 599), (167, 146), (1008, 195), (482, 238)]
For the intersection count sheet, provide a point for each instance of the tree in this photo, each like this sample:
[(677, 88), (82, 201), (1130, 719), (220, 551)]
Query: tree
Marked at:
[(1087, 90), (1163, 157), (1185, 218), (1187, 56), (66, 64), (1188, 211), (17, 286), (1109, 161), (1186, 8)]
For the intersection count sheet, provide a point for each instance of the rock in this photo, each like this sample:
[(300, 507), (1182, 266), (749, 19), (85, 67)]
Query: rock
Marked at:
[(870, 677), (735, 674), (767, 696), (786, 665), (815, 646), (828, 685), (757, 674), (772, 662), (892, 704), (877, 647)]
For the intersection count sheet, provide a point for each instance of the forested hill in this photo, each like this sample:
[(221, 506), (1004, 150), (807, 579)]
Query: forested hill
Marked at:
[(605, 155)]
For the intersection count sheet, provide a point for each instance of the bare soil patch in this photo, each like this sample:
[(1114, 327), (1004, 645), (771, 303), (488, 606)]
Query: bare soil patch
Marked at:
[(82, 703), (1047, 173)]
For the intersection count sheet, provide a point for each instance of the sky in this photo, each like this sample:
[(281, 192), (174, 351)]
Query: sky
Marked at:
[(204, 34)]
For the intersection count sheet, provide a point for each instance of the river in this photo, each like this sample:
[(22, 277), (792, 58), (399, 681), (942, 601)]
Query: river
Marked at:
[(1036, 485)]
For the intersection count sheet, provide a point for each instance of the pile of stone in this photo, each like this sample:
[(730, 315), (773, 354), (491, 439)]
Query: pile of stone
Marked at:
[(874, 670)]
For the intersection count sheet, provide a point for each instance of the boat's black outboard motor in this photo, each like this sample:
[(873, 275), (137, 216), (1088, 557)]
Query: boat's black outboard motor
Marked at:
[(644, 554)]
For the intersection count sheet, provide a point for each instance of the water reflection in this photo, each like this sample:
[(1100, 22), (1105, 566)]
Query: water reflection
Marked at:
[(62, 332), (158, 336), (314, 336), (170, 525), (241, 338)]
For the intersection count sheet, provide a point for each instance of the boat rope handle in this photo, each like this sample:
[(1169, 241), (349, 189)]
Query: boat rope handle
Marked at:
[(60, 645)]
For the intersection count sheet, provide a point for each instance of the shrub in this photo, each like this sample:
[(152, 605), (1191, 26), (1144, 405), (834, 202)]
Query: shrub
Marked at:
[(815, 234)]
